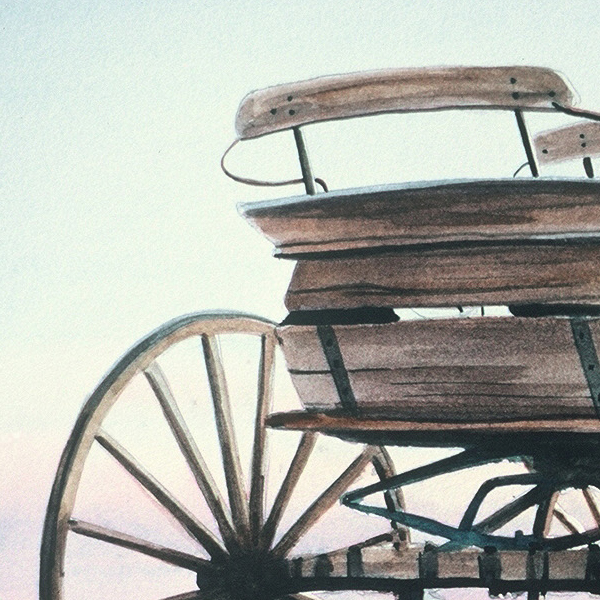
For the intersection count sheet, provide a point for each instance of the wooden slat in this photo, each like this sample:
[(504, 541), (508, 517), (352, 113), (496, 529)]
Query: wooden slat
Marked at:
[(568, 564), (494, 368), (567, 143), (358, 221), (492, 275), (399, 90), (384, 561)]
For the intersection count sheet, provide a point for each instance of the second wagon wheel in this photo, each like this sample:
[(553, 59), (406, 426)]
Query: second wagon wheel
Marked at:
[(232, 544)]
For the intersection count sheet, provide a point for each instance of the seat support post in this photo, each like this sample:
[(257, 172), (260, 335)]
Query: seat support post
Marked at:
[(307, 176), (527, 143)]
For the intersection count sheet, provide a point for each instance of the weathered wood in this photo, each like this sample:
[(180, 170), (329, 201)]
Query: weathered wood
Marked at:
[(399, 90), (448, 369), (295, 470), (88, 426), (183, 515), (363, 220), (384, 561), (567, 564), (124, 540), (443, 434), (567, 143), (194, 459), (566, 520), (224, 422), (544, 514), (492, 275), (323, 503), (258, 467)]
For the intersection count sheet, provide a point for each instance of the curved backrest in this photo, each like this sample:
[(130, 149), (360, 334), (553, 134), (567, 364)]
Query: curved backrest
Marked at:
[(566, 143), (400, 90)]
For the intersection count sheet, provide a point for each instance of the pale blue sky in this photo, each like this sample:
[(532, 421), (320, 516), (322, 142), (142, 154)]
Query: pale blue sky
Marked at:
[(115, 215)]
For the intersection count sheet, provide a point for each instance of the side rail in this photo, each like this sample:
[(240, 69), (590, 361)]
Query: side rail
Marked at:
[(293, 105)]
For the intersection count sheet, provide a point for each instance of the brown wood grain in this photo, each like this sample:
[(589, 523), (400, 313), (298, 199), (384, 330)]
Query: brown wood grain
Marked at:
[(385, 561), (332, 423), (399, 90), (367, 219), (493, 368), (495, 275), (566, 143)]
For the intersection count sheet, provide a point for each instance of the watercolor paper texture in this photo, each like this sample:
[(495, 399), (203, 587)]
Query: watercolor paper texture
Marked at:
[(199, 446)]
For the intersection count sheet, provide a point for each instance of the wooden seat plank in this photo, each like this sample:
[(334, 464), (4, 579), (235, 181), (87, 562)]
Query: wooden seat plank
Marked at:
[(399, 90), (355, 221)]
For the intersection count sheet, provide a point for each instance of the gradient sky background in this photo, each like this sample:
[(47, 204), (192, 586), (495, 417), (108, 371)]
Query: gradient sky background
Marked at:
[(114, 213)]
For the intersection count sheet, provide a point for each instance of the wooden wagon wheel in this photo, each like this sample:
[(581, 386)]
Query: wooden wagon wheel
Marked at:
[(242, 557)]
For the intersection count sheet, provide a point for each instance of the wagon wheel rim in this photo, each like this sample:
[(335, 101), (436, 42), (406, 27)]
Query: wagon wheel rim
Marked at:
[(244, 528)]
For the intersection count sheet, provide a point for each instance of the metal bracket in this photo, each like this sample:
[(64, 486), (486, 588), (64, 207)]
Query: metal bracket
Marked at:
[(333, 354), (584, 343)]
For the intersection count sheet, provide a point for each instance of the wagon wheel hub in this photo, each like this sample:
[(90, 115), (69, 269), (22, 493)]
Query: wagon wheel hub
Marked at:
[(253, 574)]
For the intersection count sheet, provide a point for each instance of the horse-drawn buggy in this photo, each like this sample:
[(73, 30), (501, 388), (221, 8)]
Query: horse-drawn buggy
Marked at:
[(512, 391)]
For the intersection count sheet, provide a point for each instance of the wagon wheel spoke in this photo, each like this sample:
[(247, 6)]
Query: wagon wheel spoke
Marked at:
[(258, 467), (124, 540), (189, 522), (544, 514), (244, 558), (394, 499), (320, 506), (295, 470), (227, 440), (191, 453), (592, 505), (566, 520)]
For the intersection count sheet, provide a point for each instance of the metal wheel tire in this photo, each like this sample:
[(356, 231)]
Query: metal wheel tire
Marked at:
[(244, 555)]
